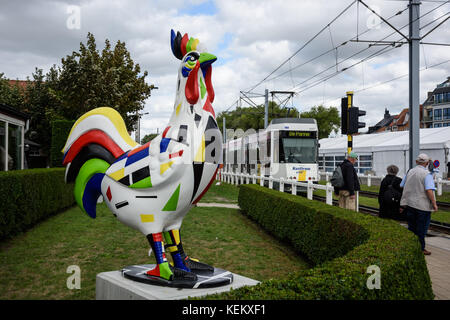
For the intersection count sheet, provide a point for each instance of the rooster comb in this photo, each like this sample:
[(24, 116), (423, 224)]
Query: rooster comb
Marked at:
[(182, 44)]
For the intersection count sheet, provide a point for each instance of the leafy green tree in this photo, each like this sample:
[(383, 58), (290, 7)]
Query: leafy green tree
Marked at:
[(85, 80), (12, 96), (41, 104), (88, 79), (148, 137), (253, 117), (328, 119)]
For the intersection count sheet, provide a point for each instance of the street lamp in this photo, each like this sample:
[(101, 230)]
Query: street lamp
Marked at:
[(138, 129)]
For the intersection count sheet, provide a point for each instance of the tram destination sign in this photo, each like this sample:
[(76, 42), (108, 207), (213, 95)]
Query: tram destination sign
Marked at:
[(297, 134)]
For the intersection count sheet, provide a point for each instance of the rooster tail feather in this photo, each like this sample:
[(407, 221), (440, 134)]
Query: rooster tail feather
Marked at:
[(100, 133), (96, 139), (88, 185)]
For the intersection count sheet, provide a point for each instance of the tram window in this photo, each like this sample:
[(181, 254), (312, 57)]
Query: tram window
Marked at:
[(298, 150)]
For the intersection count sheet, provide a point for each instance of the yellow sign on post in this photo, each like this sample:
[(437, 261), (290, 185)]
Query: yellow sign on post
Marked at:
[(349, 136)]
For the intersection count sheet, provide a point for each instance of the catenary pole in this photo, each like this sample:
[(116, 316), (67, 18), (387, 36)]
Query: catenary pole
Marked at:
[(414, 81), (266, 108)]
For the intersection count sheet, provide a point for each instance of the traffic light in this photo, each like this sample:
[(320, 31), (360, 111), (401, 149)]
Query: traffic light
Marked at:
[(344, 115), (353, 120)]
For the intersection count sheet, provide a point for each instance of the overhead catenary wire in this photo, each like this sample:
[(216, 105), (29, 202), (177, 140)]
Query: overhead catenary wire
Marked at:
[(306, 44), (267, 78), (336, 47), (326, 78), (365, 88)]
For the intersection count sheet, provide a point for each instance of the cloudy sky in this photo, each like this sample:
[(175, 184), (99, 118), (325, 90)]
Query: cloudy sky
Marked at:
[(251, 39)]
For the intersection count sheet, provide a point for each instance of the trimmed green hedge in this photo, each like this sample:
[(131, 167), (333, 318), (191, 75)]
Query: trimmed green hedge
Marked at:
[(342, 244), (60, 132), (29, 196)]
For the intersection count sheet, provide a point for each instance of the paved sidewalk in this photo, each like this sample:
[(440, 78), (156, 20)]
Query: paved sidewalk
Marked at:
[(438, 264), (222, 205)]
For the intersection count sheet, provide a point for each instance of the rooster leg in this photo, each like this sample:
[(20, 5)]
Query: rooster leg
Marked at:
[(180, 259), (162, 268), (175, 247)]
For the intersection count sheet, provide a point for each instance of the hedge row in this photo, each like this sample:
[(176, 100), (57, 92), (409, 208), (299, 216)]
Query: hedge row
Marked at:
[(341, 244), (29, 196)]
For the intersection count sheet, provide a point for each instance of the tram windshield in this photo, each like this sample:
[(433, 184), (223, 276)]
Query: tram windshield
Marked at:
[(298, 149)]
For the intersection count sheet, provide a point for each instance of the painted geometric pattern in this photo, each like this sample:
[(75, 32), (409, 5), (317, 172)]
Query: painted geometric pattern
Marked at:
[(132, 168)]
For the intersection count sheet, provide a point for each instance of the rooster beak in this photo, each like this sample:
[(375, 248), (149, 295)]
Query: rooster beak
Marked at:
[(206, 59)]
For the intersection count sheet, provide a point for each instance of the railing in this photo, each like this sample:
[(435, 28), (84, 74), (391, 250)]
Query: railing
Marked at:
[(369, 177), (241, 178), (439, 181)]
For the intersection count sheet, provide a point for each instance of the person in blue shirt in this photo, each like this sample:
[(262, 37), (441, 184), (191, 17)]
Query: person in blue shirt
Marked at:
[(418, 198)]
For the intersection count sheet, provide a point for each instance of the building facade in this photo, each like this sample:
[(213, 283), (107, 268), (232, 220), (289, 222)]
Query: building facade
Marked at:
[(436, 108), (392, 123), (13, 124)]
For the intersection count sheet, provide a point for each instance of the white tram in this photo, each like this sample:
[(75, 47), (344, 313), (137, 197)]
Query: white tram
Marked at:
[(288, 148)]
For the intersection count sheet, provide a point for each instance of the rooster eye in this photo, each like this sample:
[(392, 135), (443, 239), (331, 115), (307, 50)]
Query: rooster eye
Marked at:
[(192, 56), (189, 62)]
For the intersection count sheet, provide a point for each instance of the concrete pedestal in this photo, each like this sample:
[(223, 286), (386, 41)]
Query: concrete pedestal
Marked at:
[(113, 286)]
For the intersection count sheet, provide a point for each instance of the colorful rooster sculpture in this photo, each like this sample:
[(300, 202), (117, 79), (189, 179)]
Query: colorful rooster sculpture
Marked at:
[(152, 187)]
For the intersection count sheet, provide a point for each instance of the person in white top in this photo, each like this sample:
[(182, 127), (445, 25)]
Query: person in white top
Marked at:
[(418, 198)]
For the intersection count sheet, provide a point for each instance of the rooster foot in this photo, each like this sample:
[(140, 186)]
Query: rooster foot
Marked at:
[(195, 265), (167, 272)]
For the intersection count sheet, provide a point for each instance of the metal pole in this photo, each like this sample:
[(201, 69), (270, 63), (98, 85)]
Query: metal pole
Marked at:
[(224, 130), (414, 84), (138, 128), (266, 109)]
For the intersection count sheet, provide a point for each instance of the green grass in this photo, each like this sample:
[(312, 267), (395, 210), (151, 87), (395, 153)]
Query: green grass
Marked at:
[(223, 193), (441, 216), (33, 265)]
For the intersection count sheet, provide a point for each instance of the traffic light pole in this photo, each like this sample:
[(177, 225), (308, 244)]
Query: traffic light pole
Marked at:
[(349, 136)]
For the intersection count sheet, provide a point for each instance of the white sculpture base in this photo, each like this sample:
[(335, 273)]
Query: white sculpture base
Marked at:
[(113, 286)]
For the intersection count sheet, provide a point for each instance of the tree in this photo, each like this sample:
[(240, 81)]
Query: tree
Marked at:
[(41, 104), (328, 119), (253, 117), (89, 79), (86, 79), (10, 95), (148, 137)]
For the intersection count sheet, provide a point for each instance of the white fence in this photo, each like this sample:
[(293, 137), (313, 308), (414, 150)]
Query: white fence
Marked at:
[(439, 182), (241, 178)]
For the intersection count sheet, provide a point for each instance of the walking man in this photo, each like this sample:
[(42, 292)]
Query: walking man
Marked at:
[(418, 198), (347, 197)]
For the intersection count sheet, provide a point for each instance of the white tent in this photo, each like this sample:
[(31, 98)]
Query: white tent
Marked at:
[(391, 148)]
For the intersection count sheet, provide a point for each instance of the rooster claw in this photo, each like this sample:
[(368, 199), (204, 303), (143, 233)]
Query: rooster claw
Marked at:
[(182, 275), (195, 265)]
